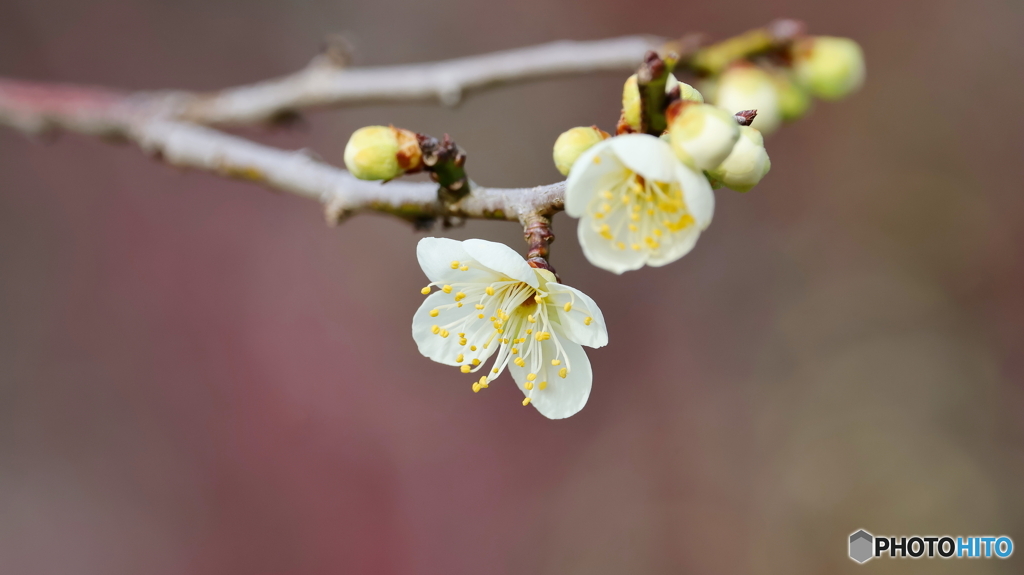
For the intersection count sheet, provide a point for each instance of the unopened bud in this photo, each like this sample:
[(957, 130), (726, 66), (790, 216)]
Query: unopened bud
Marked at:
[(701, 135), (631, 97), (830, 67), (794, 101), (572, 143), (747, 87), (382, 153), (746, 165)]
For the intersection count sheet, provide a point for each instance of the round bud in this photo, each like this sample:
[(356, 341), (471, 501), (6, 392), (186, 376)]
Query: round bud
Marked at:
[(631, 97), (571, 143), (829, 67), (372, 153), (794, 101), (750, 88), (746, 165), (701, 135)]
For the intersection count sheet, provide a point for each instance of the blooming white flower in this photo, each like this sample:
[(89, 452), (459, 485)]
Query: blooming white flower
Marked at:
[(491, 302), (637, 203), (750, 88)]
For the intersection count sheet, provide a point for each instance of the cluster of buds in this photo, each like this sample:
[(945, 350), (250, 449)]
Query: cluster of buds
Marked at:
[(781, 85)]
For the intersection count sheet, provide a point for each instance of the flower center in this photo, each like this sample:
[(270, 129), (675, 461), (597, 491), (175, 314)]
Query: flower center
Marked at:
[(639, 214)]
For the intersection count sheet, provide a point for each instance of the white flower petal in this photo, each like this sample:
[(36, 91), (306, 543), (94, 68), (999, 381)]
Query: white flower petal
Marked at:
[(674, 247), (502, 259), (574, 322), (603, 253), (593, 171), (561, 397), (436, 256), (444, 349), (697, 193), (647, 155)]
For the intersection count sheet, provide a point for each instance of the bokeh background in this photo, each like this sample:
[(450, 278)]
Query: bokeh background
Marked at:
[(198, 376)]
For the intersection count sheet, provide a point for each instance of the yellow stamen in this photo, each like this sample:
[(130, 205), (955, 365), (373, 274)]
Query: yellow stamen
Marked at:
[(435, 329), (588, 320), (531, 376), (459, 296), (563, 372), (531, 319), (458, 358), (464, 268), (556, 362), (480, 315), (476, 361), (542, 385), (447, 288), (479, 306), (455, 265), (495, 370), (542, 335), (466, 369), (476, 387), (472, 348), (462, 341), (528, 385), (606, 231), (529, 331), (620, 245), (567, 307), (519, 361), (514, 351), (489, 290), (527, 400), (434, 312), (444, 333), (425, 290)]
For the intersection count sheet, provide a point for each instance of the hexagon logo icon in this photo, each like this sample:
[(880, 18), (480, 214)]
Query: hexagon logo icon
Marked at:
[(861, 544)]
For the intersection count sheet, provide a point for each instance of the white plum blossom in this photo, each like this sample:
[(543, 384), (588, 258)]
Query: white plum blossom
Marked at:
[(637, 203), (490, 302)]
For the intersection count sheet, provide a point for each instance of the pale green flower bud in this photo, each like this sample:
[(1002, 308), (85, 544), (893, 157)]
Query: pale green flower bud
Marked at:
[(701, 135), (631, 97), (746, 165), (382, 153), (829, 67), (571, 143), (750, 88), (794, 100)]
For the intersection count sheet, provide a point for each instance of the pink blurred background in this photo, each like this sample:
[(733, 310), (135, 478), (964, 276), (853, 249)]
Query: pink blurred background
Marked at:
[(198, 376)]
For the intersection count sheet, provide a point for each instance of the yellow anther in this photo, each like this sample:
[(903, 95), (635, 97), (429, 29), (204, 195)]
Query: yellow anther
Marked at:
[(636, 247), (462, 335), (447, 288), (483, 381), (599, 215), (620, 245), (519, 361), (567, 306), (514, 351), (607, 194), (458, 358), (606, 207), (495, 370), (463, 341), (479, 306), (493, 318), (531, 319), (531, 376), (455, 265), (476, 387), (472, 348), (542, 385), (497, 325), (466, 369), (476, 361), (542, 335), (563, 372), (632, 227), (490, 290), (444, 333), (587, 321), (460, 296), (538, 299), (528, 385), (460, 304), (464, 268), (650, 242), (425, 290), (504, 340), (650, 212), (529, 331), (634, 217), (556, 362), (436, 329), (434, 312), (527, 400), (657, 232), (480, 315), (483, 385), (605, 231)]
